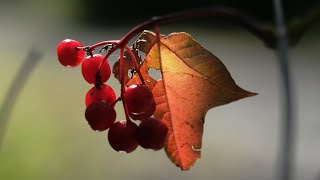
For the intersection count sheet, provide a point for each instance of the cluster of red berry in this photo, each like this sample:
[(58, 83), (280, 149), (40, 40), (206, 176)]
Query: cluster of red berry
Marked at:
[(140, 126)]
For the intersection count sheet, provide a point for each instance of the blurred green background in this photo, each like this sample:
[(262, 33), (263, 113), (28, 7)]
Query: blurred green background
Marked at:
[(47, 137)]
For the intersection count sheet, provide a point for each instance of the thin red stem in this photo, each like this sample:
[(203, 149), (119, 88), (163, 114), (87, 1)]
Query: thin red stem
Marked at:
[(115, 102), (102, 43), (123, 85), (105, 59), (135, 63), (108, 54)]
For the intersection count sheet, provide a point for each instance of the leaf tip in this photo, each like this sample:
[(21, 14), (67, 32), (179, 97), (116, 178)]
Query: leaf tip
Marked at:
[(250, 94)]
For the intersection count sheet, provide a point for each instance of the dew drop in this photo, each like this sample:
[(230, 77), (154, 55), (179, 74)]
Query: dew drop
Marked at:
[(196, 149), (122, 152)]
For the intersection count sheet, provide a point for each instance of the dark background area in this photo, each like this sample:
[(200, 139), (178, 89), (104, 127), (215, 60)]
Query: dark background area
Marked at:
[(132, 12)]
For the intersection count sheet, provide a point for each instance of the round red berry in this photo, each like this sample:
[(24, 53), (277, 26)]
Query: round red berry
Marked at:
[(122, 136), (138, 98), (152, 133), (104, 92), (69, 54), (100, 115), (90, 68)]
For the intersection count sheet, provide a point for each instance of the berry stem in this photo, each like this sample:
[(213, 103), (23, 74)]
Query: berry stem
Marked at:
[(115, 102), (123, 85), (136, 65), (102, 43), (109, 52)]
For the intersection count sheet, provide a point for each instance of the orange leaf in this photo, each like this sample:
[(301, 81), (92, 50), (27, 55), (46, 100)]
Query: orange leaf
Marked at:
[(193, 81)]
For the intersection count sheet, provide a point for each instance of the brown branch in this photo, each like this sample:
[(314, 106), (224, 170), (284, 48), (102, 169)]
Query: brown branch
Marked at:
[(263, 31)]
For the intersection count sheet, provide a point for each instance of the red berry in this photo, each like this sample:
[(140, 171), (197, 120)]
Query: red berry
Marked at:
[(68, 53), (152, 133), (122, 136), (100, 115), (90, 67), (105, 92), (146, 114), (138, 98)]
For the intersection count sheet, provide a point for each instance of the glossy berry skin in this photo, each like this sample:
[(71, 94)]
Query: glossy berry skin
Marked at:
[(121, 136), (152, 134), (68, 54), (105, 92), (145, 115), (138, 98), (100, 115), (90, 67)]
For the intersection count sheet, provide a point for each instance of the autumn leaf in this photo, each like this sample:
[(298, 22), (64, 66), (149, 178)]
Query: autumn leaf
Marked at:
[(193, 81)]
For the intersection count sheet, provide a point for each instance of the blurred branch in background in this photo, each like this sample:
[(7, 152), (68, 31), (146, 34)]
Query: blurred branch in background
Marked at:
[(30, 62), (286, 153)]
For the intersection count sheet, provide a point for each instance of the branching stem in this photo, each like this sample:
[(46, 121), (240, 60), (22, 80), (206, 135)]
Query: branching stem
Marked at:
[(135, 63), (248, 22), (123, 84)]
